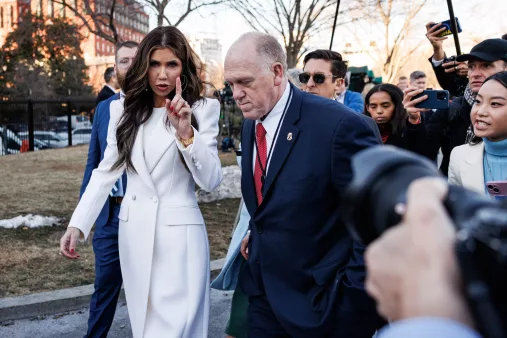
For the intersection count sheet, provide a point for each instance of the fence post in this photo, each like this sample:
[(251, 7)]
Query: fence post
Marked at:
[(69, 121), (31, 136)]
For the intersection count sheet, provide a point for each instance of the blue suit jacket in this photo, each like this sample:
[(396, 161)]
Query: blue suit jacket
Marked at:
[(301, 256), (98, 144), (354, 101)]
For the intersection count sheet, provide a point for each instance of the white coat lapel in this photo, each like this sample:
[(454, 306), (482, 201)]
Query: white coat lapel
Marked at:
[(138, 160), (158, 143), (472, 174)]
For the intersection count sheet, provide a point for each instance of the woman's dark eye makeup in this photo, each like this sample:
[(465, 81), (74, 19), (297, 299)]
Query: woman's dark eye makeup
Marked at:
[(154, 63)]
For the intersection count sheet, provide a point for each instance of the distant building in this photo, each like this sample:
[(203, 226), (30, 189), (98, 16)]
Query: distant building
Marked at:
[(206, 46), (131, 23)]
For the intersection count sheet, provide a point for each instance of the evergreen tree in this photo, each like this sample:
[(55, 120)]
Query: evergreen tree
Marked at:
[(43, 57)]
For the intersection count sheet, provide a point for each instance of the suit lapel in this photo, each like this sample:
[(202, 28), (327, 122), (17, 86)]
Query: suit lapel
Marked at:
[(139, 162), (159, 142), (247, 179), (472, 174), (286, 140)]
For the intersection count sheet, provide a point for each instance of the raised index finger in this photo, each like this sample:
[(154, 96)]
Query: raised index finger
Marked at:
[(178, 86)]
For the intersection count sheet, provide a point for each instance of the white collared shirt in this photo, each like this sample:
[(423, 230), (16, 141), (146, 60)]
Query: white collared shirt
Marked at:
[(270, 123), (341, 98)]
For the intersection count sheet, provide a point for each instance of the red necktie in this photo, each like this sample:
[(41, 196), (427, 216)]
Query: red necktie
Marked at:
[(260, 134)]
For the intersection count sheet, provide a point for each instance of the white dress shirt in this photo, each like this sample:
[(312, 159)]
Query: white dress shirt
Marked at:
[(270, 123)]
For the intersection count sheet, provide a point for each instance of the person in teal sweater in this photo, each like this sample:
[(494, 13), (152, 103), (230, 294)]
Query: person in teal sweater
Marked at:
[(484, 159)]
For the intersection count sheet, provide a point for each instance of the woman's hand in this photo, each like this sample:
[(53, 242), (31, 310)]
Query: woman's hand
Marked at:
[(68, 243), (414, 114), (180, 114)]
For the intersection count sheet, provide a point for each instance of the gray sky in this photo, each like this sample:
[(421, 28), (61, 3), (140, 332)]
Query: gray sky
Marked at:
[(479, 19)]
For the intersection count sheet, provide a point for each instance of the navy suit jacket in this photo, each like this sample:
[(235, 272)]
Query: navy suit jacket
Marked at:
[(98, 144), (301, 256)]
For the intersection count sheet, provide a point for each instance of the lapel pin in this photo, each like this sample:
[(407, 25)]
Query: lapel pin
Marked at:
[(289, 137)]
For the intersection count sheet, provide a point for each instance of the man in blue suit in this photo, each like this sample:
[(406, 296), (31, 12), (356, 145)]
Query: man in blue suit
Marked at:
[(108, 278), (305, 275)]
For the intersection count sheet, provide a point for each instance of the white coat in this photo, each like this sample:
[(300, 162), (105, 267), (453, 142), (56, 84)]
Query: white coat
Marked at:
[(163, 244), (466, 167)]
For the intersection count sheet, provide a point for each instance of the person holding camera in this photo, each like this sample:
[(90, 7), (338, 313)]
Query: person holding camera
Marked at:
[(417, 286), (397, 128), (448, 128), (484, 159)]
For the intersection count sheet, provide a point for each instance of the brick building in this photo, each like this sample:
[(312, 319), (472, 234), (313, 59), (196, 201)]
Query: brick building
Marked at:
[(131, 23)]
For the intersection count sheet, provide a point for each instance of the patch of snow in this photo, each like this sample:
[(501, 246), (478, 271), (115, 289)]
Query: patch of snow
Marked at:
[(30, 221), (229, 188)]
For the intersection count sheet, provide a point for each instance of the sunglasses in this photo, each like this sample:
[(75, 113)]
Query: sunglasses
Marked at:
[(318, 78)]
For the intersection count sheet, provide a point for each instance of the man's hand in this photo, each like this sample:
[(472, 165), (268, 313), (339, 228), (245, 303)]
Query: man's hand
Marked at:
[(244, 245), (68, 243), (414, 114), (460, 68), (435, 40), (412, 269)]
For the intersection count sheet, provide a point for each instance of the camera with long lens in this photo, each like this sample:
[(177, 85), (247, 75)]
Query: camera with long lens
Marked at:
[(374, 202)]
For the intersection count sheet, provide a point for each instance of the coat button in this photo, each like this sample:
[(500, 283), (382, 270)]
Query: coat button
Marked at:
[(133, 197), (154, 199), (260, 230)]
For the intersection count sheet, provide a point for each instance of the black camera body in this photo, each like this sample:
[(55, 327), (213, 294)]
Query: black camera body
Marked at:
[(372, 204)]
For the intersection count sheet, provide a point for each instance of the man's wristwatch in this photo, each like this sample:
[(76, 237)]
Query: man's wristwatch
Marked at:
[(187, 142)]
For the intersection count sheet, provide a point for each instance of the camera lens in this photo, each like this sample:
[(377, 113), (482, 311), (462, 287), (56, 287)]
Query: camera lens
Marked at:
[(441, 96)]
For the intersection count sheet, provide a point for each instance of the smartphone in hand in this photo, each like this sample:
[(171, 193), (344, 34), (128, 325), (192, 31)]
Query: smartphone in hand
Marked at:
[(447, 25), (497, 188), (437, 99)]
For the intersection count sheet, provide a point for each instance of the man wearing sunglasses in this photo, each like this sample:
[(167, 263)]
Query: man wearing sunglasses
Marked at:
[(324, 75)]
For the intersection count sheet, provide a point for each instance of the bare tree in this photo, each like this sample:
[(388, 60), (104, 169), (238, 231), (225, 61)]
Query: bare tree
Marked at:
[(99, 16), (160, 6), (393, 51), (295, 20)]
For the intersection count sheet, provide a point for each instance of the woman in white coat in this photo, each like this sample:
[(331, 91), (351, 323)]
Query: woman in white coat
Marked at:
[(164, 136), (484, 159)]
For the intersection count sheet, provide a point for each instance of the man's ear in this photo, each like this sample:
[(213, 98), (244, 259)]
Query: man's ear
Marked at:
[(338, 83), (279, 73)]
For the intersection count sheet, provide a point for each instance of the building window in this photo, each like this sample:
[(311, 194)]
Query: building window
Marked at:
[(12, 15), (51, 7)]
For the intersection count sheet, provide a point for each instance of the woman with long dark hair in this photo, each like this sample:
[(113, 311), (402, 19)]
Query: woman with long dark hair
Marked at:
[(484, 159), (383, 103), (164, 135)]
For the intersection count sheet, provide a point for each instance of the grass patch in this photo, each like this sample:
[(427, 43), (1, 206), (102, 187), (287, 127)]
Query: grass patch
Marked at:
[(47, 183)]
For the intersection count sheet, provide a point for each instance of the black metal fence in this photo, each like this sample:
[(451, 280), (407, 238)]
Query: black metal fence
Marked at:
[(36, 124)]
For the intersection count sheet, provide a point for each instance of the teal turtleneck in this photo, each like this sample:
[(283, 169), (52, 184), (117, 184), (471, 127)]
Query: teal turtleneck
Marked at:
[(495, 160)]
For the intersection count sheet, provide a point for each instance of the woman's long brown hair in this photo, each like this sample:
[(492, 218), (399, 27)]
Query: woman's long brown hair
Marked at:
[(139, 102)]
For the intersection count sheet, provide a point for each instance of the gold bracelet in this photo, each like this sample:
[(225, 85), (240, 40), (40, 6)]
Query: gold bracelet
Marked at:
[(187, 142)]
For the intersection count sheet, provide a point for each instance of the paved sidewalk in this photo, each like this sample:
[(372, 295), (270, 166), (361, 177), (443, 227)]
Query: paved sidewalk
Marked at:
[(73, 324)]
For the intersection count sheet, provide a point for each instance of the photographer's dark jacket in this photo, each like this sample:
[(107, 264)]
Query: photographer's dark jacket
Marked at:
[(413, 138), (449, 81), (446, 129)]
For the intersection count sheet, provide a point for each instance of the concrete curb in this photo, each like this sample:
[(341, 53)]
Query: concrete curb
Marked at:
[(64, 300)]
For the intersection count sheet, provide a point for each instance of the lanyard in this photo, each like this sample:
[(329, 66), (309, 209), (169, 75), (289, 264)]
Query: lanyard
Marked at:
[(264, 170)]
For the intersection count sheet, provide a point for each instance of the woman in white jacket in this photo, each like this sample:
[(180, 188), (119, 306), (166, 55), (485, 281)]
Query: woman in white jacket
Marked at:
[(164, 136), (484, 159)]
